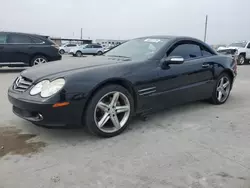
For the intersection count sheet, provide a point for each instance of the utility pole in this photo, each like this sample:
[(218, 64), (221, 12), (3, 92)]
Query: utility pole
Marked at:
[(81, 33), (205, 34)]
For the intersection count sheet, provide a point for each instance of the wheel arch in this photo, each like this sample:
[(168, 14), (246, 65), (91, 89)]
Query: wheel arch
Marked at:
[(243, 53), (229, 72), (119, 81)]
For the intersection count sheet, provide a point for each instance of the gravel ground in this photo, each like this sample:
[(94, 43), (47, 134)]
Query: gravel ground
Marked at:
[(196, 145)]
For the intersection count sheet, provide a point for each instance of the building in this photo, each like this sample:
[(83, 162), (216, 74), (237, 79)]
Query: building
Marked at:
[(60, 41), (109, 42)]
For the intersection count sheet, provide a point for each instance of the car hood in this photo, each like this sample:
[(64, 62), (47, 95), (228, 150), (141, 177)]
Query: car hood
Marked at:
[(64, 66)]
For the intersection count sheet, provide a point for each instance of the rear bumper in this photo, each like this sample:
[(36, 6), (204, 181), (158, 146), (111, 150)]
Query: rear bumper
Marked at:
[(55, 58)]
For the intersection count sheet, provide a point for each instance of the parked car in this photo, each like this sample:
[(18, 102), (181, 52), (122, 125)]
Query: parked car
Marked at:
[(23, 49), (66, 48), (138, 77), (241, 51), (230, 52), (74, 49), (88, 49), (109, 48)]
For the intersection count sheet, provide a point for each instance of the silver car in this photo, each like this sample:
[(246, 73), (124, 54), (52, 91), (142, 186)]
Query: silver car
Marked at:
[(87, 49)]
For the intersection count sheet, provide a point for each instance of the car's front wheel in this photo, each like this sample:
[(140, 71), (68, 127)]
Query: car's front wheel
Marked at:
[(109, 111), (241, 59), (99, 53), (222, 89), (62, 51), (38, 60)]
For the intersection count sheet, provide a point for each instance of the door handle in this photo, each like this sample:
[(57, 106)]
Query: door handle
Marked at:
[(205, 65)]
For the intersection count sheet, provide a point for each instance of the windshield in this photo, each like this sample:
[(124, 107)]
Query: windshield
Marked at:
[(238, 44), (139, 49)]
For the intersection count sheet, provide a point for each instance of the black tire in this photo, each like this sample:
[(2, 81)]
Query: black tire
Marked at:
[(61, 51), (214, 99), (33, 60), (88, 117), (99, 53), (241, 59), (78, 53)]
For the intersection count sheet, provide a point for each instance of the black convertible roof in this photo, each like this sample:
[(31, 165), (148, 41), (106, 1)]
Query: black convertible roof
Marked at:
[(169, 37)]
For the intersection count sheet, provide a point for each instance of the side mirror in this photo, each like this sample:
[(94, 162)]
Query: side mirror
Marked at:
[(171, 60)]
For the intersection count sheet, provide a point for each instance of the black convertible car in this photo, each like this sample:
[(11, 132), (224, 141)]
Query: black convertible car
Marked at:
[(139, 76)]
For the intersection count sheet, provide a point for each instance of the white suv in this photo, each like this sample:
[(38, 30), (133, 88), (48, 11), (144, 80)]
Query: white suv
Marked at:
[(66, 48), (241, 49)]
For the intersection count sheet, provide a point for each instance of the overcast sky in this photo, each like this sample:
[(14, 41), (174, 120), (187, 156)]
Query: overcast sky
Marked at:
[(228, 20)]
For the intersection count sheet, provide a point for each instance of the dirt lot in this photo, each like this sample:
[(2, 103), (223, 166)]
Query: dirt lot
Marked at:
[(196, 145)]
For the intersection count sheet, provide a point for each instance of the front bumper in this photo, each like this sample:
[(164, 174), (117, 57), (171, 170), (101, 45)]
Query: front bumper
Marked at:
[(44, 113)]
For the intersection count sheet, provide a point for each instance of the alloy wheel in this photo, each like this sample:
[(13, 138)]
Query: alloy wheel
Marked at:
[(241, 60), (112, 112), (223, 89), (39, 61)]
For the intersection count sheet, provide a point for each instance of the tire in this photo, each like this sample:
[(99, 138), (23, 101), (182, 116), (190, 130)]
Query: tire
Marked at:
[(241, 59), (37, 60), (215, 95), (99, 53), (78, 53), (61, 51), (90, 117)]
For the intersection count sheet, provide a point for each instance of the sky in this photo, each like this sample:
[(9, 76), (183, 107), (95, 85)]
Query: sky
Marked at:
[(228, 20)]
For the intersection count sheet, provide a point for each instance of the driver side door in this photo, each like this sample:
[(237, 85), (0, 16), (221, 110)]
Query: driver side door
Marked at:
[(189, 81)]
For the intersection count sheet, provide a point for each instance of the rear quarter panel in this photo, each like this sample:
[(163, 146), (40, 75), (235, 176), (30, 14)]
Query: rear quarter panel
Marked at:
[(225, 63)]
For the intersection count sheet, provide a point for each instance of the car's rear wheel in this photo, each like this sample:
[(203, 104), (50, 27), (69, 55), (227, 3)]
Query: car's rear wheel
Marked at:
[(222, 89), (241, 59), (109, 111), (78, 53), (99, 53), (61, 51), (38, 60)]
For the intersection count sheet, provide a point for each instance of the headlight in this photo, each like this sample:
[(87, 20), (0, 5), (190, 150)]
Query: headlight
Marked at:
[(50, 88), (38, 87)]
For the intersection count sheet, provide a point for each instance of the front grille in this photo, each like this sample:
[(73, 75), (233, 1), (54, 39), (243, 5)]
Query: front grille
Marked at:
[(21, 84)]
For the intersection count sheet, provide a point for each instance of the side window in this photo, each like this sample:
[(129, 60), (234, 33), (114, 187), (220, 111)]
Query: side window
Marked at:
[(187, 51), (89, 46), (71, 45), (3, 38), (248, 46), (97, 46), (205, 52), (38, 41), (19, 39)]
